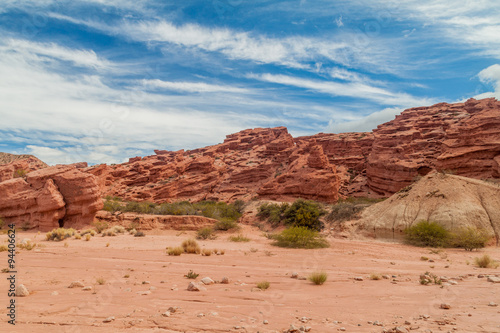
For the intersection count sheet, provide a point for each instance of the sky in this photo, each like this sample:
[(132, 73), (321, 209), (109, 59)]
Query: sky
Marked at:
[(101, 81)]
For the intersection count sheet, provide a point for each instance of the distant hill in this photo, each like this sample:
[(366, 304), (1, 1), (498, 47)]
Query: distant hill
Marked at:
[(12, 166), (6, 158)]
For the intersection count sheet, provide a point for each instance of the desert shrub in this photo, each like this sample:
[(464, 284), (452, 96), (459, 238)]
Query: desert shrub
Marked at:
[(19, 173), (349, 209), (118, 229), (206, 252), (428, 233), (140, 207), (60, 234), (225, 224), (239, 238), (375, 276), (273, 213), (429, 278), (112, 206), (100, 281), (239, 205), (318, 278), (139, 234), (28, 245), (78, 236), (300, 237), (205, 233), (108, 232), (486, 262), (263, 285), (91, 232), (470, 238), (175, 251), (191, 246), (304, 213), (88, 237), (191, 275), (132, 232), (4, 248), (100, 226)]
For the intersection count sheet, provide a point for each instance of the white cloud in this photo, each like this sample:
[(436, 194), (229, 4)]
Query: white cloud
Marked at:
[(365, 124), (350, 89), (200, 87)]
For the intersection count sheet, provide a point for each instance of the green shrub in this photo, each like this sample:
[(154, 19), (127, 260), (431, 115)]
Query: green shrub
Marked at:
[(346, 210), (19, 173), (470, 238), (206, 252), (486, 262), (60, 234), (239, 238), (273, 213), (205, 233), (191, 246), (304, 213), (318, 278), (191, 275), (300, 237), (225, 224), (140, 207), (239, 206), (112, 206), (100, 226), (428, 233), (263, 285)]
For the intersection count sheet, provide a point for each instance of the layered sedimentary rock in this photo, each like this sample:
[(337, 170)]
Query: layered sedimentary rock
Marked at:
[(15, 166), (148, 222), (463, 138), (50, 197), (453, 201), (257, 162)]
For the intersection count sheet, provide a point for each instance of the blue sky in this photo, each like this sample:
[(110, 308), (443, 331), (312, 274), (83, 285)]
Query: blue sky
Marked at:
[(101, 81)]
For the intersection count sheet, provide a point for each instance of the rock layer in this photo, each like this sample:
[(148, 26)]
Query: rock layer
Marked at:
[(50, 197), (15, 166)]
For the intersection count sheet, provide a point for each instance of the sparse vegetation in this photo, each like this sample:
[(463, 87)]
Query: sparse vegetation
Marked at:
[(206, 252), (91, 232), (318, 278), (100, 226), (60, 234), (175, 251), (239, 238), (78, 236), (273, 213), (191, 246), (299, 237), (28, 245), (3, 248), (349, 209), (191, 275), (429, 278), (424, 258), (139, 234), (302, 213), (263, 285), (470, 238), (205, 233), (375, 276), (100, 281), (225, 224), (486, 262), (88, 237), (19, 173), (428, 233)]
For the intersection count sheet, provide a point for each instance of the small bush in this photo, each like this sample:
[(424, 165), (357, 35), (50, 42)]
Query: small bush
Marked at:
[(92, 232), (101, 281), (486, 262), (346, 210), (206, 252), (470, 238), (191, 275), (318, 278), (428, 233), (78, 236), (263, 285), (205, 233), (375, 277), (60, 234), (108, 232), (100, 226), (4, 248), (191, 246), (88, 237), (139, 234), (175, 251), (132, 232), (273, 213), (225, 224), (304, 213), (239, 238), (112, 206), (19, 173), (29, 245), (300, 237), (429, 278)]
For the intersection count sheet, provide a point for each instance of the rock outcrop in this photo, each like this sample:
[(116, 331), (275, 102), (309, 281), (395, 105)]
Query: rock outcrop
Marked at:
[(263, 162), (453, 201), (15, 166), (148, 222), (50, 197)]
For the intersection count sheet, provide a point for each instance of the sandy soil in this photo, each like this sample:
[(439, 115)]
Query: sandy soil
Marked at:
[(238, 306)]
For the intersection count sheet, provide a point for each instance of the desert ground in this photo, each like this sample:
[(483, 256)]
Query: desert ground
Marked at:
[(140, 282)]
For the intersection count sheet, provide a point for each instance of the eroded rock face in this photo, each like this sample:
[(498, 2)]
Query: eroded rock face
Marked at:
[(453, 201), (15, 166), (264, 162), (50, 197)]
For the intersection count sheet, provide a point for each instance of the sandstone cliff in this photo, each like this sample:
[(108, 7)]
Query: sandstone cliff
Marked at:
[(13, 166), (50, 197)]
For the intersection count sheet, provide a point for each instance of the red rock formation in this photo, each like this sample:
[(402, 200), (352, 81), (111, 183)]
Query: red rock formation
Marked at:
[(50, 197), (269, 163), (255, 162), (14, 166)]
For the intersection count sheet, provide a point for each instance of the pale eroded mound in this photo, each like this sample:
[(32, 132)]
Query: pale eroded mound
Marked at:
[(453, 201)]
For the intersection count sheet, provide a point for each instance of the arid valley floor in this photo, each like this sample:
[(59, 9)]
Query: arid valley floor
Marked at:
[(141, 282)]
